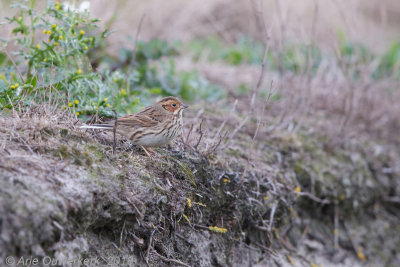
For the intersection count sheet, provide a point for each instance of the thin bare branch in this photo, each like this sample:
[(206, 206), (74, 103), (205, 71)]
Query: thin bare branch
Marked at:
[(114, 131), (15, 65)]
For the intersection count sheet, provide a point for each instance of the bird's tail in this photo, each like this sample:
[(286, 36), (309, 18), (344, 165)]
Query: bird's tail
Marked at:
[(97, 126)]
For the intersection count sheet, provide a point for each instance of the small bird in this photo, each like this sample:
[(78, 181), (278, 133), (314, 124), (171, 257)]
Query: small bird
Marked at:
[(155, 125)]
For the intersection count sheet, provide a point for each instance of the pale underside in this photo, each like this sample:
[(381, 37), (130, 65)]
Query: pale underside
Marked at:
[(157, 135)]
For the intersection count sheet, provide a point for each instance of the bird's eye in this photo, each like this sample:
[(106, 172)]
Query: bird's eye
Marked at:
[(174, 105)]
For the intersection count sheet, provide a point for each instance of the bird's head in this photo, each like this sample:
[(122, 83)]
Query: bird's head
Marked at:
[(172, 104)]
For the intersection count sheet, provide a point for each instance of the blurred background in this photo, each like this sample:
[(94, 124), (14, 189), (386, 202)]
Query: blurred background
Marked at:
[(368, 22), (373, 23)]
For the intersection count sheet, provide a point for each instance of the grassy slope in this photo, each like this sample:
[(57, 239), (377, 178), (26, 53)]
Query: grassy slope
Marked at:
[(64, 194)]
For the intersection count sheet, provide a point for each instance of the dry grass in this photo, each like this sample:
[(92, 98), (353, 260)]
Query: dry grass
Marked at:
[(184, 20)]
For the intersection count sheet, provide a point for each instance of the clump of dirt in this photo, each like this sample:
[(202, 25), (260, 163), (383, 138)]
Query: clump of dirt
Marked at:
[(64, 195)]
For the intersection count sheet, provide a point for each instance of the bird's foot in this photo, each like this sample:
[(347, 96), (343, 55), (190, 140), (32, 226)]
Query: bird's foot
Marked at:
[(155, 154)]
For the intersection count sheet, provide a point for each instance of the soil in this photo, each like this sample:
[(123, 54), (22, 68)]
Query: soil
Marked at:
[(65, 197)]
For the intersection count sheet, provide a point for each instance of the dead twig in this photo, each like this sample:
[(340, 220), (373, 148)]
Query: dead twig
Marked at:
[(12, 106), (336, 230), (214, 147), (149, 247), (199, 226), (133, 59), (201, 136), (271, 216), (225, 120), (114, 131), (138, 240), (188, 135), (312, 197), (170, 260), (121, 235), (260, 17), (241, 180), (15, 65)]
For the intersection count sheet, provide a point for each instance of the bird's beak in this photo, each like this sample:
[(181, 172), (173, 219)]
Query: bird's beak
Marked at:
[(184, 106)]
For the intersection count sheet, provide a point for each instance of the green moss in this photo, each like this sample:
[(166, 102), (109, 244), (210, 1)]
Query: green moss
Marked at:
[(63, 132), (188, 173), (96, 152), (303, 177)]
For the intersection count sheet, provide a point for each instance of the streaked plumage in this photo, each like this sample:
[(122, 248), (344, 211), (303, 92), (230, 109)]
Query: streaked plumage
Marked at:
[(155, 125)]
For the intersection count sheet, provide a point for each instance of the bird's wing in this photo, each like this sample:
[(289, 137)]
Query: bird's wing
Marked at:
[(148, 117)]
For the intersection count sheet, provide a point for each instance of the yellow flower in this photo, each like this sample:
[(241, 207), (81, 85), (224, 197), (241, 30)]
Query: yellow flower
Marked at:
[(82, 32), (56, 43), (218, 229), (79, 71), (44, 31), (108, 105), (200, 204), (360, 254), (19, 18), (57, 3), (290, 259), (12, 86), (186, 218), (38, 46), (123, 92), (335, 231), (77, 114), (97, 108), (58, 8), (105, 99), (60, 37), (70, 104), (74, 34), (84, 21), (86, 47), (53, 26), (276, 233), (45, 59), (266, 197), (189, 202), (48, 32), (76, 102), (297, 190), (225, 180)]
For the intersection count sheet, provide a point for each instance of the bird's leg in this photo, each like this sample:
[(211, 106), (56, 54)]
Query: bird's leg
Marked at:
[(155, 153), (152, 151), (147, 153)]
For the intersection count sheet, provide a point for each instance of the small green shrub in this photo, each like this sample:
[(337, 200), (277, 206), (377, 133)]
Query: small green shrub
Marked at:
[(60, 45), (298, 58), (389, 64)]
